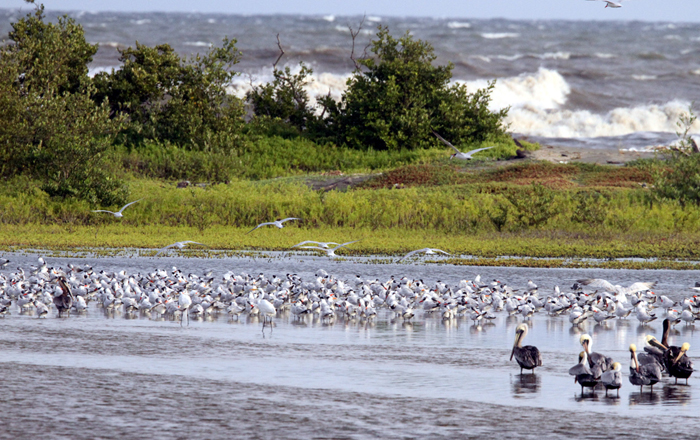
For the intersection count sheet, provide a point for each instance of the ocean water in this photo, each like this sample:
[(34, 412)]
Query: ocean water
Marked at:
[(576, 83)]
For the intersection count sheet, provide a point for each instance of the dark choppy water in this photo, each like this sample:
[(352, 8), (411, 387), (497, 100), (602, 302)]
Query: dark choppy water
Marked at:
[(622, 84), (119, 375)]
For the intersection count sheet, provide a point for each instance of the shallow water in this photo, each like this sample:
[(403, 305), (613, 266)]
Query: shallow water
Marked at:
[(124, 375)]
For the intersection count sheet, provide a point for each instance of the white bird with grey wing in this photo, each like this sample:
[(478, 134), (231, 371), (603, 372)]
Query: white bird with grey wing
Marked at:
[(118, 214), (426, 251), (458, 154)]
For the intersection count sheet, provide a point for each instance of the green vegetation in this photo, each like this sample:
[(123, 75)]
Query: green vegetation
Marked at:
[(397, 98), (70, 144), (50, 128)]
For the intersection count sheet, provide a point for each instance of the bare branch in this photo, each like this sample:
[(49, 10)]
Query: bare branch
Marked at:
[(274, 66), (354, 35)]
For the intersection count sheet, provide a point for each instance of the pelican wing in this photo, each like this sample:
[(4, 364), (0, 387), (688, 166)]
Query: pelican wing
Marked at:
[(446, 143), (288, 219), (103, 210), (165, 249)]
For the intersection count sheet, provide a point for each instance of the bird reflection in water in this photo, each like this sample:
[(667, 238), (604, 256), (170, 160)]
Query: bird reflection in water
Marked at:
[(523, 384), (676, 394), (637, 398)]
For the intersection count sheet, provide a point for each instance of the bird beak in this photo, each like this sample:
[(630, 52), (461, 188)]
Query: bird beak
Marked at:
[(512, 353), (678, 357)]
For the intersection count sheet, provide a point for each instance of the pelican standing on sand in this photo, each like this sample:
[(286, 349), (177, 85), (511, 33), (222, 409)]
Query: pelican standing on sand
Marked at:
[(118, 214), (458, 154), (528, 357)]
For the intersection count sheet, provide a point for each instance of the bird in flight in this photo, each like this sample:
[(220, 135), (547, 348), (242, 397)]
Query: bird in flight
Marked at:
[(459, 155), (427, 251), (277, 223), (610, 4), (118, 214), (179, 245), (329, 251), (323, 244)]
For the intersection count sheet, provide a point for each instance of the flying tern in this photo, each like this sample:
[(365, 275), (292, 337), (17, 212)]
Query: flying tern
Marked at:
[(458, 154)]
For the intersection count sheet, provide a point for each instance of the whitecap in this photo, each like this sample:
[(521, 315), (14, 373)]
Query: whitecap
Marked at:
[(604, 55), (197, 43), (498, 35), (644, 77), (141, 21), (374, 18), (329, 18), (458, 25), (582, 123), (544, 89)]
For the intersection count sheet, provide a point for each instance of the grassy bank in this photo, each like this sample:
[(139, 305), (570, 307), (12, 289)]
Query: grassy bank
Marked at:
[(487, 210)]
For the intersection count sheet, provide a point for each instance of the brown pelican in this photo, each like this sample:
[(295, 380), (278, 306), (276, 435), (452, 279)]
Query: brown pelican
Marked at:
[(528, 357), (583, 374), (598, 362), (643, 374), (612, 379), (64, 301), (677, 362), (673, 358)]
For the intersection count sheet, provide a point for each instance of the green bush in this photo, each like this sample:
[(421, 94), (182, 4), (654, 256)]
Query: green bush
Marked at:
[(175, 100), (396, 98), (680, 179), (284, 99), (50, 128)]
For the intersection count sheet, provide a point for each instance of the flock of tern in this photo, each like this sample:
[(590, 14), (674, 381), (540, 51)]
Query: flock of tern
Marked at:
[(179, 296)]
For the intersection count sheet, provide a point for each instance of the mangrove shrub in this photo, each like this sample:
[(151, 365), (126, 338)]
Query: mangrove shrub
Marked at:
[(397, 97), (50, 128)]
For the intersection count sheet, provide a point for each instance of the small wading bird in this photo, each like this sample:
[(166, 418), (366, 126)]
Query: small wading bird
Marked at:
[(277, 223), (528, 357), (427, 251), (610, 4), (118, 214), (179, 245), (459, 155), (329, 251)]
